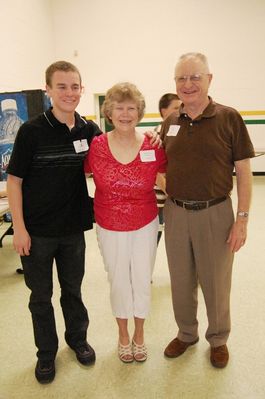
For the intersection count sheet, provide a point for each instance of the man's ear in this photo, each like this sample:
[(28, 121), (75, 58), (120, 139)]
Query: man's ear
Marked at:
[(163, 112), (48, 89)]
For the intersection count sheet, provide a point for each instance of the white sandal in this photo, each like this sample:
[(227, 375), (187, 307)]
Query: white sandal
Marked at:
[(139, 352), (125, 353)]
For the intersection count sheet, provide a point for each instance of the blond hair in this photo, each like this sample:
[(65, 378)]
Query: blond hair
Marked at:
[(119, 93)]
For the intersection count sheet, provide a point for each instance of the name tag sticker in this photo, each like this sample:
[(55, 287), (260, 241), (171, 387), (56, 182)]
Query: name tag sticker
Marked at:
[(80, 145), (173, 130), (147, 155)]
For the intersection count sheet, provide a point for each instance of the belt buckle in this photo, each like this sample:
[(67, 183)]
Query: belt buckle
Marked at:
[(184, 203), (191, 204), (196, 205)]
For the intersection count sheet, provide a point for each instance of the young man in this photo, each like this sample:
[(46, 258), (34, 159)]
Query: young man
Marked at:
[(204, 143), (49, 203)]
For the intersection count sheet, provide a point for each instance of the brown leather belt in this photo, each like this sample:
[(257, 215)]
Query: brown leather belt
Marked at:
[(198, 205)]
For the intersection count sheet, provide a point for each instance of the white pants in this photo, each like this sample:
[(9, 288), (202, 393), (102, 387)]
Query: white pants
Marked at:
[(129, 258)]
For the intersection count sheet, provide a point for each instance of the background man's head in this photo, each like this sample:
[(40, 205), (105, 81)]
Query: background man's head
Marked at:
[(168, 103)]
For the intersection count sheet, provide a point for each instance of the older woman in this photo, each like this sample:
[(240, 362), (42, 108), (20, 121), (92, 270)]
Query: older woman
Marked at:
[(125, 167)]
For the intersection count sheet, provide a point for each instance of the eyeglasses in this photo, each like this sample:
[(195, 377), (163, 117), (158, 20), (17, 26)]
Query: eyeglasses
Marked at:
[(197, 77)]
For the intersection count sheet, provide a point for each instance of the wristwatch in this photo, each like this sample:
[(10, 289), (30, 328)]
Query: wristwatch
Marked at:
[(242, 214)]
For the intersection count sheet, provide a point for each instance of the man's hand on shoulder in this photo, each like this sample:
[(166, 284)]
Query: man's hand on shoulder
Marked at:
[(154, 137)]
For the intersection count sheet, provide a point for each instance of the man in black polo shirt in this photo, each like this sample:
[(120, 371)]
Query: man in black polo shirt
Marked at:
[(48, 199)]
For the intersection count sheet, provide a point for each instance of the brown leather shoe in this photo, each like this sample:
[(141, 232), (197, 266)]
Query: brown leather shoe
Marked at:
[(176, 347), (219, 356)]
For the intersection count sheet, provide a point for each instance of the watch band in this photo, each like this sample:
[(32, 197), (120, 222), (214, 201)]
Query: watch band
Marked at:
[(242, 214)]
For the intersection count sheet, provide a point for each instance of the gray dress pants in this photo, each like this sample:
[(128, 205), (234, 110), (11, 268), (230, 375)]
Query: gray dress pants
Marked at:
[(197, 252)]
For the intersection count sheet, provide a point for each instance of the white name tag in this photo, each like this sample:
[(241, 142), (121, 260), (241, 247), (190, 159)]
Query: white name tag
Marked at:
[(173, 130), (147, 155), (80, 145)]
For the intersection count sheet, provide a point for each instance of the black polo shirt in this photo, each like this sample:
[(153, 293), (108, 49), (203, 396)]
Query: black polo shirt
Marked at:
[(55, 197)]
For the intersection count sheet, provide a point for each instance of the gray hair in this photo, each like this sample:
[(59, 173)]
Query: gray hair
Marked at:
[(192, 55)]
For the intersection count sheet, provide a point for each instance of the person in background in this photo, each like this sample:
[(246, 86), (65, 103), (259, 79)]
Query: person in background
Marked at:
[(204, 144), (48, 198), (125, 167), (168, 103)]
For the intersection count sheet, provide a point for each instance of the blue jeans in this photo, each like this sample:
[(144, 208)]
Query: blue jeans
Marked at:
[(69, 255)]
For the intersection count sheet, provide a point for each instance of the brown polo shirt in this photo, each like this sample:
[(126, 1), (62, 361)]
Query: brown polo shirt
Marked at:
[(201, 152)]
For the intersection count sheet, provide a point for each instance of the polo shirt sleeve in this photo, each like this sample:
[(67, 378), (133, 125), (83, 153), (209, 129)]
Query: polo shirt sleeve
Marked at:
[(91, 156), (241, 144), (87, 168), (23, 152), (93, 131)]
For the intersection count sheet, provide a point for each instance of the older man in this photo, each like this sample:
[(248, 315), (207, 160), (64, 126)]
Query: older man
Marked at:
[(203, 144)]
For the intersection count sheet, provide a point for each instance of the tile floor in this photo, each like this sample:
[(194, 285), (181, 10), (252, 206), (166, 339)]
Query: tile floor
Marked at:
[(189, 377)]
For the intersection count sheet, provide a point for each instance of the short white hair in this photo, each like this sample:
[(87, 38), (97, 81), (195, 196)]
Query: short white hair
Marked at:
[(197, 56)]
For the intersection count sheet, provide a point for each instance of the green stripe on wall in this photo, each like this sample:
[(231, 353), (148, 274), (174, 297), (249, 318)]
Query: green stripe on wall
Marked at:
[(254, 121), (247, 122), (149, 124)]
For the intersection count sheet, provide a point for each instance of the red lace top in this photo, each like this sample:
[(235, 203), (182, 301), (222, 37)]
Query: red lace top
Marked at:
[(124, 198)]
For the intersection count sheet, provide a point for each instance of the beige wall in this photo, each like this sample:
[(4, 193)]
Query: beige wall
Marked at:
[(26, 43), (138, 41)]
